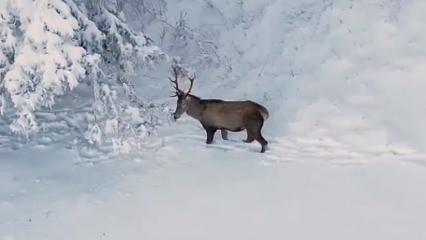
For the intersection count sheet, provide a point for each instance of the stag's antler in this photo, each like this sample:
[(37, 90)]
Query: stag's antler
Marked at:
[(175, 82), (191, 80)]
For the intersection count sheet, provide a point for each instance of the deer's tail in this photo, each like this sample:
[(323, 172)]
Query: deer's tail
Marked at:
[(263, 111)]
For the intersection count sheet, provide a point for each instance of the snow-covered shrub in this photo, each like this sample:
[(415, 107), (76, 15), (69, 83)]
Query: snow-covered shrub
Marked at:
[(173, 29), (49, 47)]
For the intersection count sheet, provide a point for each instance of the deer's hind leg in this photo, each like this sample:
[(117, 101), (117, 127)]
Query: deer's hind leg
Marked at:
[(262, 142), (250, 136), (254, 124)]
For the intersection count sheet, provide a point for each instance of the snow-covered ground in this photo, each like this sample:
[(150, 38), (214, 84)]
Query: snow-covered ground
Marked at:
[(183, 189), (344, 82)]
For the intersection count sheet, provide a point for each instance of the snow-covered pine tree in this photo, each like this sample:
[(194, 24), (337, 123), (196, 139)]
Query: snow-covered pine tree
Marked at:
[(48, 47)]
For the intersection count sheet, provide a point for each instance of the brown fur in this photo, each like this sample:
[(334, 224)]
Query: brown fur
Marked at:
[(222, 115)]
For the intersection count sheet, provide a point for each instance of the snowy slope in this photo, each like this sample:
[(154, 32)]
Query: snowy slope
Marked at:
[(183, 189), (344, 84), (359, 63)]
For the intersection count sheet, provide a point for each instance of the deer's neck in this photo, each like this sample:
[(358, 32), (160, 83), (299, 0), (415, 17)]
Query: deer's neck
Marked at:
[(195, 107)]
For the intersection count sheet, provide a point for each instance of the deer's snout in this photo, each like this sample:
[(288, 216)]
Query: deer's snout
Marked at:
[(176, 116)]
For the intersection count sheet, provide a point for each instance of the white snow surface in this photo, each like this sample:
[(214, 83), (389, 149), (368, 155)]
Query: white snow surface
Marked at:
[(184, 189), (344, 82)]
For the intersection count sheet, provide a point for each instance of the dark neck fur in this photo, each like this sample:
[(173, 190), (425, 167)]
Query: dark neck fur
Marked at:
[(195, 106)]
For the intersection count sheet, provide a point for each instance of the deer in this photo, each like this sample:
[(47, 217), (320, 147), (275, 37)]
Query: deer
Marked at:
[(216, 114)]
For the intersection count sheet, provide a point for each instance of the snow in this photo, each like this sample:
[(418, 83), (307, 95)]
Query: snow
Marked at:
[(346, 59), (183, 189), (343, 81), (43, 56)]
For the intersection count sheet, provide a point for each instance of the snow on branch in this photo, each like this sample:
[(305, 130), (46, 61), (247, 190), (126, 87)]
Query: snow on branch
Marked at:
[(49, 47)]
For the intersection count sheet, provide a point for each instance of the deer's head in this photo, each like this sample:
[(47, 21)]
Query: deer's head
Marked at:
[(182, 97)]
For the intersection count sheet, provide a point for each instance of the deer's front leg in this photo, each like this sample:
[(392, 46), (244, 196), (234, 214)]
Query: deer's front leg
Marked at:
[(210, 134), (224, 134)]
